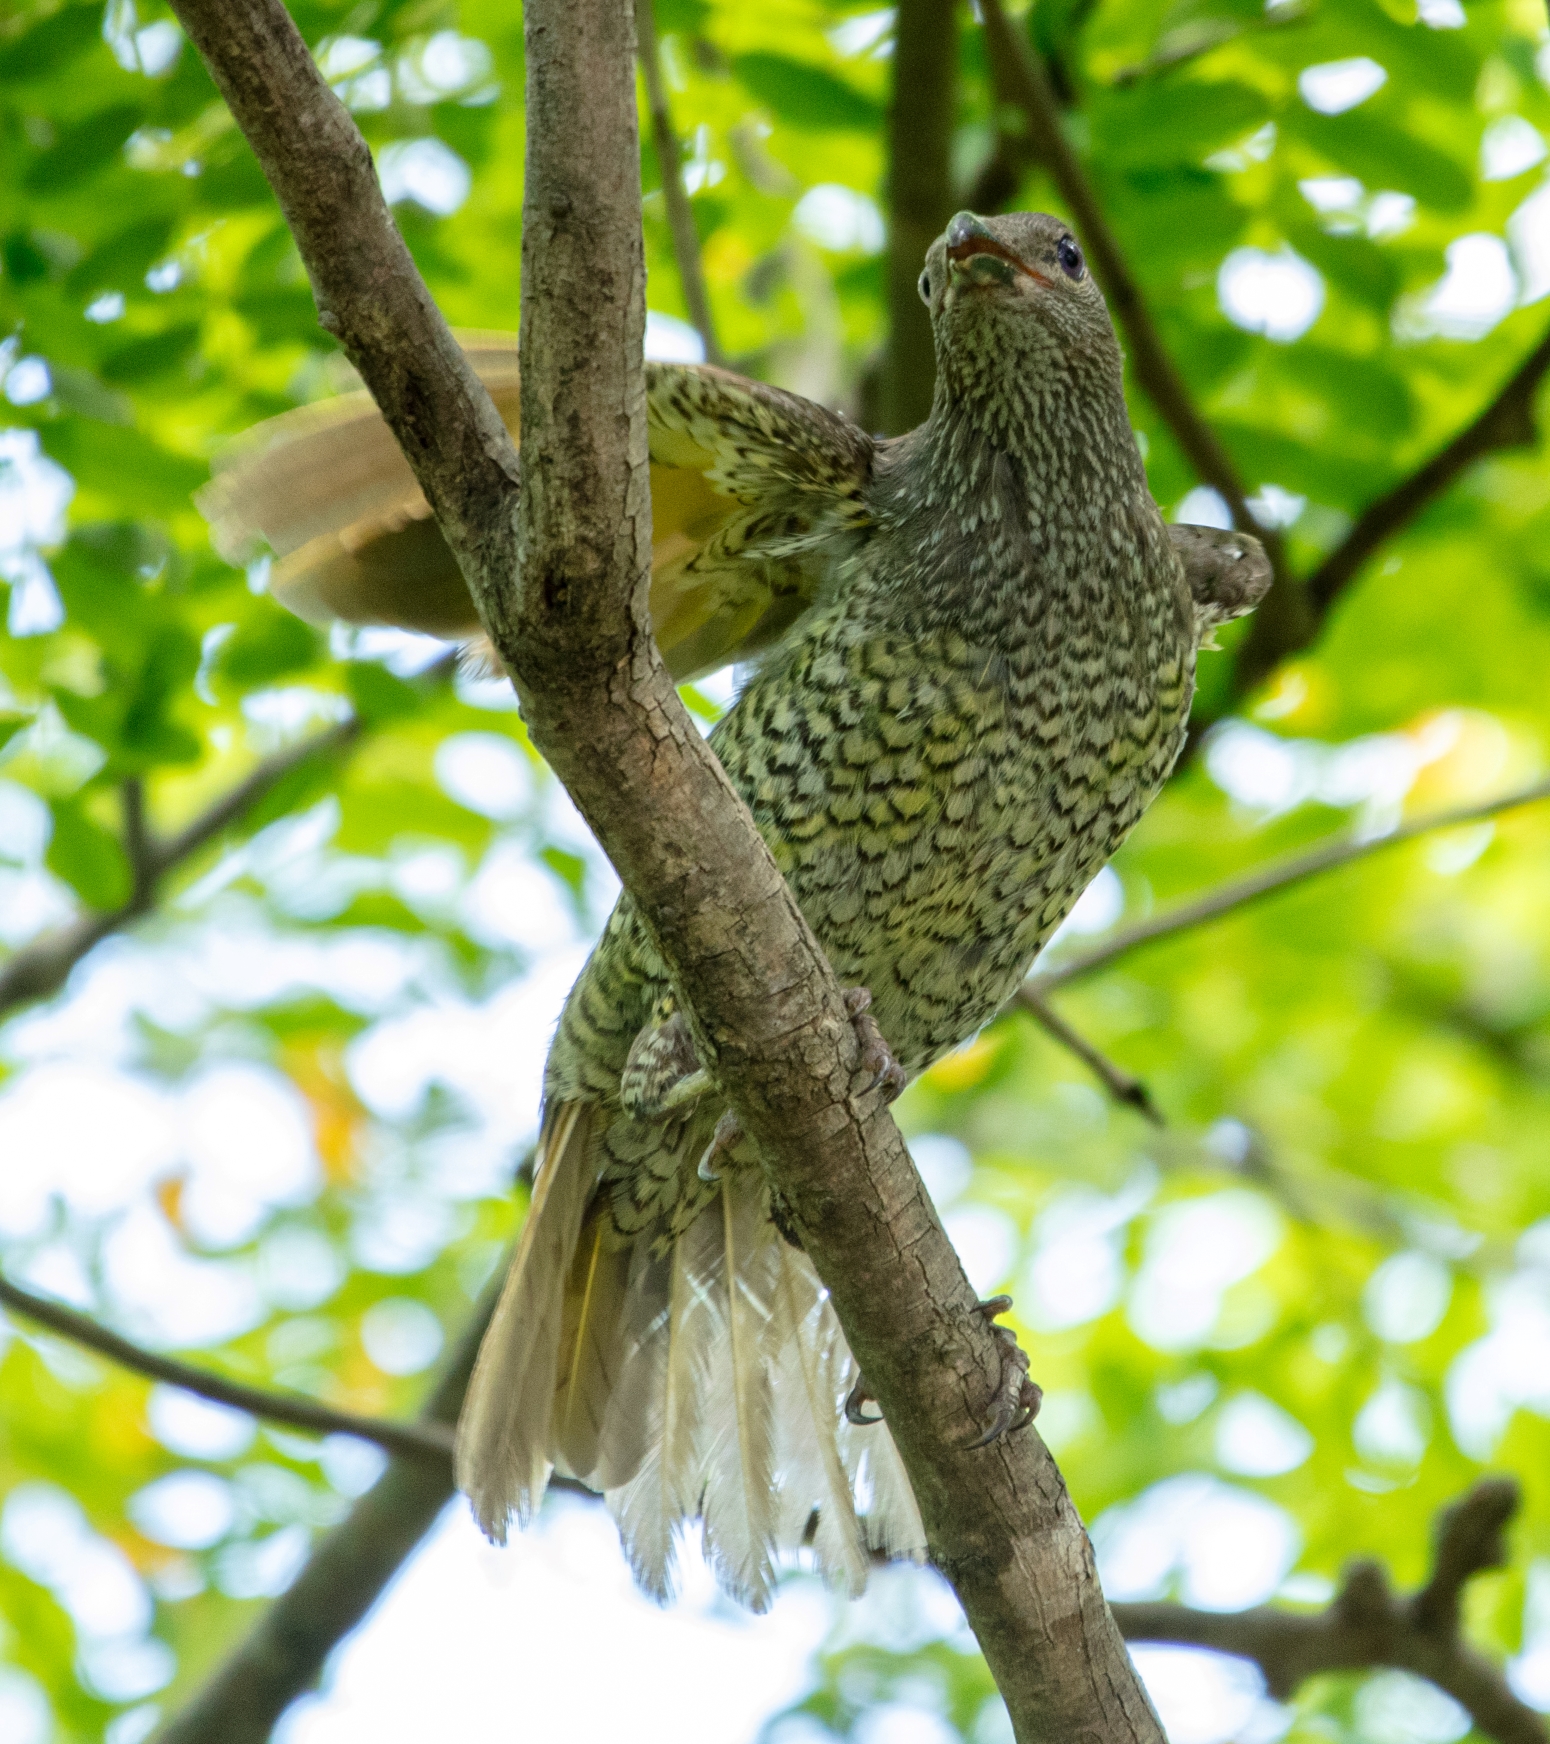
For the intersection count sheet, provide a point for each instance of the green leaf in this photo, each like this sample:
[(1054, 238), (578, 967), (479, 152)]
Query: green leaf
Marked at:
[(153, 355), (1173, 122), (803, 95), (11, 725), (379, 696), (53, 44), (270, 644), (87, 857), (81, 150), (1382, 155)]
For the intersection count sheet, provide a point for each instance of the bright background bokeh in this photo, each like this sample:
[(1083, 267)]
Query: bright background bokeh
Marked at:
[(275, 1126)]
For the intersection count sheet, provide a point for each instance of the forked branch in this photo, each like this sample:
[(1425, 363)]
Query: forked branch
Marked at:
[(1368, 1625)]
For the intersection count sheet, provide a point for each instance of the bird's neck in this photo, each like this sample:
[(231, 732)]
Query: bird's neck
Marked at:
[(1015, 491), (1060, 421)]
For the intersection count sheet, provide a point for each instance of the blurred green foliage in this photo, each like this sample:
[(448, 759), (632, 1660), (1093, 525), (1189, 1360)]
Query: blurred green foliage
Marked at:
[(1356, 1075)]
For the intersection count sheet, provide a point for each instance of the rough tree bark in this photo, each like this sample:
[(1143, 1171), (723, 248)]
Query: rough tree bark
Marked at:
[(560, 579)]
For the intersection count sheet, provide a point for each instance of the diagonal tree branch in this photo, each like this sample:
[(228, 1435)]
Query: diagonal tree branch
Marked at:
[(1242, 891), (407, 1440), (1507, 422), (680, 214), (41, 968), (768, 1015), (1367, 1625), (283, 1655), (1118, 1082)]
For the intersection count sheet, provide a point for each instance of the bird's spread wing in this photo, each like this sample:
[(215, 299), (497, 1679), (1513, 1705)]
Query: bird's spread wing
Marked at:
[(753, 492)]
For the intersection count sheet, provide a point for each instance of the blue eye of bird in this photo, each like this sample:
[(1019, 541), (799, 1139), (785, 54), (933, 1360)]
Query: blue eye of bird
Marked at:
[(1070, 257)]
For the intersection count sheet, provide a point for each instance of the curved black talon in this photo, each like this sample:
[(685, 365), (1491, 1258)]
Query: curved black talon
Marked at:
[(855, 1399), (729, 1129), (876, 1056), (1017, 1397)]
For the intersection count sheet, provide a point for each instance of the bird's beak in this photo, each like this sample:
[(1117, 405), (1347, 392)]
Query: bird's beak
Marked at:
[(975, 257)]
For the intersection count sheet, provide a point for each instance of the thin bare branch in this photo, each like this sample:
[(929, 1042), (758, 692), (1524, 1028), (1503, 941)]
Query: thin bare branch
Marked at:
[(41, 968), (680, 214), (1507, 422), (1281, 876), (137, 846), (1018, 71), (1118, 1082), (431, 1442), (920, 197), (1189, 41), (1367, 1625)]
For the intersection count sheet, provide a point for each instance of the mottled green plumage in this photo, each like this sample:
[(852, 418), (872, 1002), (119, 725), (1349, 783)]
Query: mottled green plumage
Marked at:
[(941, 751), (946, 750)]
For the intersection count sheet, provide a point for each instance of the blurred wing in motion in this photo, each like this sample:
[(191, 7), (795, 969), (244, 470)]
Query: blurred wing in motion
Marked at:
[(755, 492)]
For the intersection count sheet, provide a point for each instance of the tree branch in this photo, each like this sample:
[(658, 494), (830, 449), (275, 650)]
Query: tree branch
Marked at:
[(1240, 892), (284, 1653), (768, 1014), (680, 214), (1367, 1625), (1027, 85), (41, 968), (1118, 1082), (409, 1441), (1507, 422), (920, 197)]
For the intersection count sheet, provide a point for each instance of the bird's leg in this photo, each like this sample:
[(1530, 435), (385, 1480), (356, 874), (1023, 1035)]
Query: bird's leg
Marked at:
[(1018, 1398), (663, 1072), (876, 1056)]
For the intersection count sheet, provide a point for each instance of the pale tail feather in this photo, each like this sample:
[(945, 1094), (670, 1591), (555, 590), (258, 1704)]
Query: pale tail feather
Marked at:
[(651, 1465), (592, 1350), (707, 1382), (811, 1382), (503, 1456), (890, 1516), (739, 1445)]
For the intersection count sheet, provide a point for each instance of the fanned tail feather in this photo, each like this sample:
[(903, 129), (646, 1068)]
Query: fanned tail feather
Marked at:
[(591, 1349), (810, 1386), (739, 1426), (705, 1382), (890, 1516), (504, 1454), (650, 1467)]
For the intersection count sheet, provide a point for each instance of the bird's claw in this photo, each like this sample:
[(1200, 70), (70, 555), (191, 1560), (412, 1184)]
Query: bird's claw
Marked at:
[(876, 1056), (1018, 1398), (856, 1399), (729, 1129)]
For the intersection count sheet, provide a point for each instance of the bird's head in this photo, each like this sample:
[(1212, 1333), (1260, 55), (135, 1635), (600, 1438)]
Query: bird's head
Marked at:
[(1008, 291)]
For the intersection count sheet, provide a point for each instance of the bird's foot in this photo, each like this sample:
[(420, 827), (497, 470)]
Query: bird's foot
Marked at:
[(856, 1401), (1018, 1398), (729, 1129), (876, 1056)]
